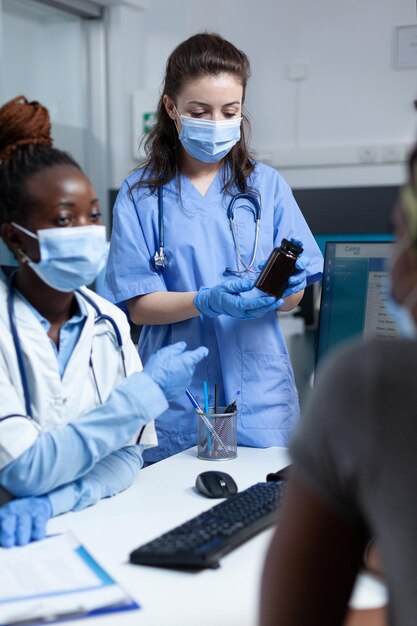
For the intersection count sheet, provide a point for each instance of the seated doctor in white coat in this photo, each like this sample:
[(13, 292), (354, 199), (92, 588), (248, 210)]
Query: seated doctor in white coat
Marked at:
[(76, 411)]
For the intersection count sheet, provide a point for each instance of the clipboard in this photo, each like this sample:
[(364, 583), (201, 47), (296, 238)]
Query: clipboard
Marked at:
[(55, 580)]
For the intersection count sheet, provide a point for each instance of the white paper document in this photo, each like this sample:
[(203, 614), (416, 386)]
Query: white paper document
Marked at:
[(52, 579)]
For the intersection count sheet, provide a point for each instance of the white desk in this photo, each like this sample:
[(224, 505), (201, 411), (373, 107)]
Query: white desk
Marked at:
[(162, 497)]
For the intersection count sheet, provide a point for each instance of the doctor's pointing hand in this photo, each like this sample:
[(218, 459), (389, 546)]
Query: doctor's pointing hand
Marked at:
[(76, 408)]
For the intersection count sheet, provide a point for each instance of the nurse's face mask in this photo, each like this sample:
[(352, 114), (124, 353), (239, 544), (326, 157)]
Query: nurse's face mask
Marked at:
[(207, 140), (70, 257)]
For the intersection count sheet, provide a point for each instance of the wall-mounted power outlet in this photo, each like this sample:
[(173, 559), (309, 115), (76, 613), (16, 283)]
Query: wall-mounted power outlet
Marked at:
[(392, 154), (367, 154)]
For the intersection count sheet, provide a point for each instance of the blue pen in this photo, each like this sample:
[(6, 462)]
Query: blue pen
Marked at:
[(210, 427), (207, 411), (193, 401)]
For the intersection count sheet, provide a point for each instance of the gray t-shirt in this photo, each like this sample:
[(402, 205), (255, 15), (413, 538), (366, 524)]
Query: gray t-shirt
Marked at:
[(356, 447)]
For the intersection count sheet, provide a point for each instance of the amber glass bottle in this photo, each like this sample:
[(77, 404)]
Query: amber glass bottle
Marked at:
[(280, 265)]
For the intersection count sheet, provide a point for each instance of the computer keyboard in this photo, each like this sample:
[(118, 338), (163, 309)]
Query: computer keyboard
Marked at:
[(203, 540)]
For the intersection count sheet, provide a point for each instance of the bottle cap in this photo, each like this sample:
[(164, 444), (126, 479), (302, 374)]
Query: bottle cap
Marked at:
[(295, 246)]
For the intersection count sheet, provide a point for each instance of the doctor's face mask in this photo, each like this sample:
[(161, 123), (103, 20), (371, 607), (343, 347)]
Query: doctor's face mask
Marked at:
[(403, 286), (64, 242), (69, 257)]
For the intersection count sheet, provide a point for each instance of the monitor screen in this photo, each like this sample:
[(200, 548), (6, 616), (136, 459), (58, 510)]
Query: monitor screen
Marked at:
[(355, 292)]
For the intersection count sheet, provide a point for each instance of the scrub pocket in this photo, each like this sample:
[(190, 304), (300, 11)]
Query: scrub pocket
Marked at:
[(245, 234), (269, 396)]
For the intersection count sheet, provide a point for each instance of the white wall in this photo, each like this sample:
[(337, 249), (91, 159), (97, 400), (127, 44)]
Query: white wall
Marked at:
[(57, 58), (30, 69), (126, 54), (353, 98), (42, 56)]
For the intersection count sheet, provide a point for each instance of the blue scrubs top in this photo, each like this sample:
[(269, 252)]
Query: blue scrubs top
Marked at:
[(246, 355)]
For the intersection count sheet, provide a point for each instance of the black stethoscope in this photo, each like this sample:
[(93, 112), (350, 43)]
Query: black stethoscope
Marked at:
[(103, 317), (100, 317), (160, 258)]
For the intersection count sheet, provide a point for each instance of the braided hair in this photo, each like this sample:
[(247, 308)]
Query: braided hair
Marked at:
[(25, 149)]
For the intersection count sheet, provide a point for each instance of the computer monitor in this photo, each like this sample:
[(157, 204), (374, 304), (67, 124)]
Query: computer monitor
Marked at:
[(354, 295)]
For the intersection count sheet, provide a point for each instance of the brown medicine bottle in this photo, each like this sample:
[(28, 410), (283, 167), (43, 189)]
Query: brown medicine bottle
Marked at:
[(280, 265)]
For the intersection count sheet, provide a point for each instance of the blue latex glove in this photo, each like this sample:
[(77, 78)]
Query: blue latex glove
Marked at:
[(172, 368), (109, 476), (225, 299), (24, 520), (298, 280)]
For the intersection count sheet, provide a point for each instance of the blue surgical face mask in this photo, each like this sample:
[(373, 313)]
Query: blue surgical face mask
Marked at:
[(209, 141), (404, 321), (70, 257), (401, 313)]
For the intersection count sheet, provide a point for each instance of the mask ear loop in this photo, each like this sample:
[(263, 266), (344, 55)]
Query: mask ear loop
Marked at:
[(175, 120), (24, 230), (403, 245), (22, 257), (411, 300)]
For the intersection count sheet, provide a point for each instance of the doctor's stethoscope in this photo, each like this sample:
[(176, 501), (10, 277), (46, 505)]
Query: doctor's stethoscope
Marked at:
[(100, 317), (160, 257)]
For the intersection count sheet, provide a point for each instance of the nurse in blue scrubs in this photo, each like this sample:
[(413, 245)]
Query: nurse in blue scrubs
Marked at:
[(185, 274)]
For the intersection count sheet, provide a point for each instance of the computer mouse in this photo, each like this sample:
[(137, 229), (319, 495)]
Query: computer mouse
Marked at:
[(215, 484)]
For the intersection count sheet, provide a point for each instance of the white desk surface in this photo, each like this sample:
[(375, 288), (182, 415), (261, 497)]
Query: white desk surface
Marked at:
[(162, 497)]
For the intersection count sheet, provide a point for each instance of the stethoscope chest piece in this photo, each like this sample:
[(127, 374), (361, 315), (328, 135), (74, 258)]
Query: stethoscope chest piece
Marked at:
[(160, 259)]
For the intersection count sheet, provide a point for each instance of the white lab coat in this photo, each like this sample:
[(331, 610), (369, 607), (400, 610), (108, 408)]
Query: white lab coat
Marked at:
[(56, 401)]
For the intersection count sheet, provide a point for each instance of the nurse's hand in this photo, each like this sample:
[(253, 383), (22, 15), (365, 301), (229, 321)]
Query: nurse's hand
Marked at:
[(298, 280), (24, 520), (225, 299), (172, 368)]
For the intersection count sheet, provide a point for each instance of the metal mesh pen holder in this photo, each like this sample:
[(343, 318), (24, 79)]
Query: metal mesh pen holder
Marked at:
[(217, 435)]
